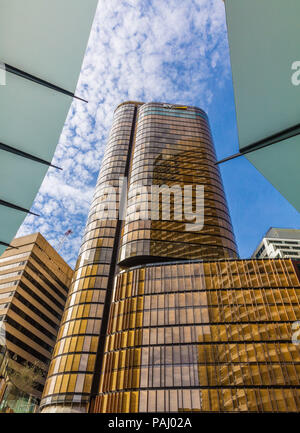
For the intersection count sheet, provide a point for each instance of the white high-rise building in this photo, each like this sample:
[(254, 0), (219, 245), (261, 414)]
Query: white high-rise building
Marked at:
[(279, 243)]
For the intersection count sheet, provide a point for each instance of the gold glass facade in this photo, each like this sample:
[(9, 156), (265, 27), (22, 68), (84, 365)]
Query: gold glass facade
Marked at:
[(173, 147), (148, 144), (203, 336), (73, 365), (34, 282)]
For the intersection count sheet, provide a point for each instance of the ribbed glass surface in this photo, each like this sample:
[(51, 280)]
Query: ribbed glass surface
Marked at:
[(173, 147), (213, 336)]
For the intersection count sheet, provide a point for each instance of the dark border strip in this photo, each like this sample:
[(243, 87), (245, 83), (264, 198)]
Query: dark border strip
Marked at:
[(26, 155), (16, 207), (37, 80)]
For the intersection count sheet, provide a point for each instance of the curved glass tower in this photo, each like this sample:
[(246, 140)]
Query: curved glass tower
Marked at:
[(159, 197), (173, 148)]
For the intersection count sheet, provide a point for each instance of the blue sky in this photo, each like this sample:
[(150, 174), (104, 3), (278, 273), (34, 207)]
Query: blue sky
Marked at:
[(151, 50)]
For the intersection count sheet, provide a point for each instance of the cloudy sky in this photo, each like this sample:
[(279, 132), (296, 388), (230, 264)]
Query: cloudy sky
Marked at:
[(153, 50)]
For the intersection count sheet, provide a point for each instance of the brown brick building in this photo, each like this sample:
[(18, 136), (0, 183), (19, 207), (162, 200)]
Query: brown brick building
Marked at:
[(34, 283)]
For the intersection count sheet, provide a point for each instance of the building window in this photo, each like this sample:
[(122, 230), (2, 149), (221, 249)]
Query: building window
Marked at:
[(260, 251)]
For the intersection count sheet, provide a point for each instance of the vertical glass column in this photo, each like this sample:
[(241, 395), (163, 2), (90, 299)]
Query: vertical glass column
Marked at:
[(71, 372)]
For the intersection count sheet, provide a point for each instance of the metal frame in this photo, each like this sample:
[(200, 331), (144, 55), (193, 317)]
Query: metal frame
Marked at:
[(16, 207), (15, 151), (265, 142), (38, 80)]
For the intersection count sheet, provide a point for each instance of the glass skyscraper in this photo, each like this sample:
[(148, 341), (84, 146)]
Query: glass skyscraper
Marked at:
[(161, 314)]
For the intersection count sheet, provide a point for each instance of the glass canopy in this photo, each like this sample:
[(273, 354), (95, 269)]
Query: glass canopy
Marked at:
[(264, 47), (37, 40)]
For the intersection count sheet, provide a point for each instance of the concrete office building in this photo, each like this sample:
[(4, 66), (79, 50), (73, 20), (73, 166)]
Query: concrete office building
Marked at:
[(34, 283), (161, 314), (279, 243)]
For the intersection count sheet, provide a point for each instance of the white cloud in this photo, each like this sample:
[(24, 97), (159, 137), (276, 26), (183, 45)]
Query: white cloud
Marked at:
[(171, 50)]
